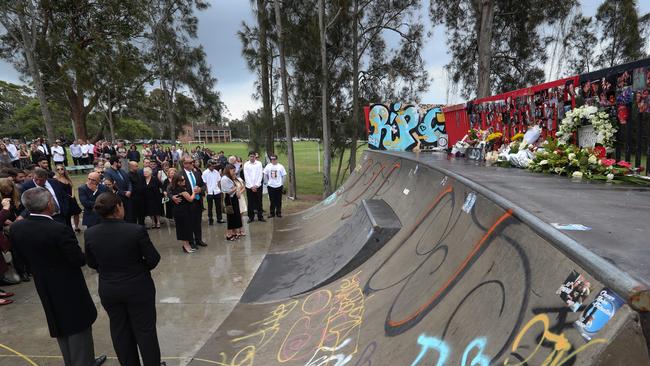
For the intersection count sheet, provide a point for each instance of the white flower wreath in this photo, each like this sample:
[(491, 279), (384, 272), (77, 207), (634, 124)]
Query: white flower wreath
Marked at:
[(601, 121)]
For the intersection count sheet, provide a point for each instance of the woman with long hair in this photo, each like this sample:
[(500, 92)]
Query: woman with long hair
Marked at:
[(23, 155), (11, 208), (182, 211), (152, 197), (62, 176), (231, 202), (166, 188)]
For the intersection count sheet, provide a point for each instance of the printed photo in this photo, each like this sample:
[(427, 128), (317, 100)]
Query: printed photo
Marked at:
[(574, 291), (598, 313)]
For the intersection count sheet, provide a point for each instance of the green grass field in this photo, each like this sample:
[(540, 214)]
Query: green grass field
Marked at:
[(308, 178)]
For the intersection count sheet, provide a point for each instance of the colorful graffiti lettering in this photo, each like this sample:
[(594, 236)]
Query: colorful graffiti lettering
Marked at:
[(325, 332), (400, 127), (561, 344)]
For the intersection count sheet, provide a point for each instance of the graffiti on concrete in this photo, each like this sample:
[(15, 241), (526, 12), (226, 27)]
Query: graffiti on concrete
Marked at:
[(406, 127)]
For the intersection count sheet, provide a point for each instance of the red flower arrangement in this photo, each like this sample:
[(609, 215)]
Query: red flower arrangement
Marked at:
[(608, 162), (600, 151), (624, 164)]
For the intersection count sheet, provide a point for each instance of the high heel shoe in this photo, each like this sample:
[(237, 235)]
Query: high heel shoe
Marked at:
[(192, 250)]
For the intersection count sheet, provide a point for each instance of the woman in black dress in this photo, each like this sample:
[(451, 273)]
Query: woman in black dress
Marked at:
[(231, 199), (166, 188), (182, 210), (75, 210), (152, 197)]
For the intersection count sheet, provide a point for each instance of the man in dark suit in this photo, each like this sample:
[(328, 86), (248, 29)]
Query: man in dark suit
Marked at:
[(61, 199), (87, 195), (137, 194), (122, 182), (124, 256), (194, 183), (51, 251)]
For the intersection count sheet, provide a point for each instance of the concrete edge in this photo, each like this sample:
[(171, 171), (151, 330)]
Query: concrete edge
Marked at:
[(636, 293)]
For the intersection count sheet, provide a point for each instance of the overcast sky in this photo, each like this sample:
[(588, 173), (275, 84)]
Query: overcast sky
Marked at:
[(217, 33)]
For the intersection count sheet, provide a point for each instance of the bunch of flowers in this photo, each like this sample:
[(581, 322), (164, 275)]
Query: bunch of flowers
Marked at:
[(601, 121), (473, 136), (518, 137), (576, 162)]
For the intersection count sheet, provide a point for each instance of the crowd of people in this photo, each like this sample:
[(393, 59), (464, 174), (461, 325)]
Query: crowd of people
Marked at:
[(169, 185)]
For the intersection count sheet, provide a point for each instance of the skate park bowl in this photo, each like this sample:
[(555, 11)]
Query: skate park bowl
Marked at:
[(413, 263)]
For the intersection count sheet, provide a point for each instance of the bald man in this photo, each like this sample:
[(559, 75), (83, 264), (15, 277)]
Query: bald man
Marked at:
[(87, 195)]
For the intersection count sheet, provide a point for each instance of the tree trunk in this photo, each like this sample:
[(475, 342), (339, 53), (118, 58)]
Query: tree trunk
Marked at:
[(109, 117), (285, 101), (486, 9), (267, 117), (338, 170), (355, 87), (78, 114), (28, 43), (327, 155)]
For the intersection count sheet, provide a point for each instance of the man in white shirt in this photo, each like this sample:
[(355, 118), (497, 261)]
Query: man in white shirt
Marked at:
[(75, 152), (58, 155), (212, 178), (253, 174), (13, 151), (275, 173), (90, 148)]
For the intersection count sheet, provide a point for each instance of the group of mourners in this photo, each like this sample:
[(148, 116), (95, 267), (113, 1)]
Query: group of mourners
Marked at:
[(41, 214)]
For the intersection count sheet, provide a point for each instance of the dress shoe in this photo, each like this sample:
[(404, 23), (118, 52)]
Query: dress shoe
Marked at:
[(271, 216), (220, 222), (279, 215), (250, 220), (210, 222), (100, 360), (202, 243), (8, 281), (25, 277), (261, 219), (194, 246)]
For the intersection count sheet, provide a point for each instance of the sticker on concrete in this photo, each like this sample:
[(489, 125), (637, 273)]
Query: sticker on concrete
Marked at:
[(570, 227), (444, 180), (598, 313), (470, 200), (574, 291), (406, 191)]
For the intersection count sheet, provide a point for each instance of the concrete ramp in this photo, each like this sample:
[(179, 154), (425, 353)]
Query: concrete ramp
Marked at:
[(469, 279), (286, 274)]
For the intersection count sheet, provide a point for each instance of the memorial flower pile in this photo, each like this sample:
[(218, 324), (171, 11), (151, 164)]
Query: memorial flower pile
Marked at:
[(587, 163), (601, 121)]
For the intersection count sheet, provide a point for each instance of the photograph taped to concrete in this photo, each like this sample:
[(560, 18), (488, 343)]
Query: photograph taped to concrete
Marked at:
[(575, 290)]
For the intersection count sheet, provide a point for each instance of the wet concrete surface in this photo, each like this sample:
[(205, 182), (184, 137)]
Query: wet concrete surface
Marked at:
[(195, 293)]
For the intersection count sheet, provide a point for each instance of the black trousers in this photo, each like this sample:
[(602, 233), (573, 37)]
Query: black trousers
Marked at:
[(131, 309), (196, 215), (214, 200), (254, 203), (136, 214), (275, 197), (77, 349), (77, 161)]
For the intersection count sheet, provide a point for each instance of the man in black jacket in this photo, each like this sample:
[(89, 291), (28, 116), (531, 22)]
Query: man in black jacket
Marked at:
[(51, 251), (194, 183), (61, 199)]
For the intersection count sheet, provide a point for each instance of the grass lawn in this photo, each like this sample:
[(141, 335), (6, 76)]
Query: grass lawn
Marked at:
[(309, 179)]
